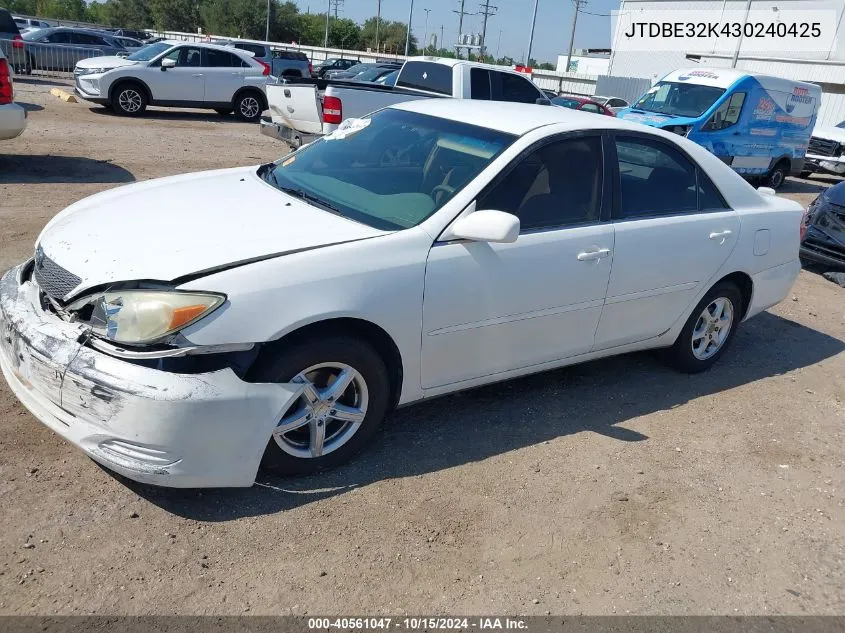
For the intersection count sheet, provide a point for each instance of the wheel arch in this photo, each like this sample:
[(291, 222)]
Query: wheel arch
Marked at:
[(130, 80), (365, 330), (262, 98), (745, 285)]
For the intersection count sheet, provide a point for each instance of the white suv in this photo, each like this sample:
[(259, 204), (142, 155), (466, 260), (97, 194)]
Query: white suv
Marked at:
[(12, 116), (180, 75)]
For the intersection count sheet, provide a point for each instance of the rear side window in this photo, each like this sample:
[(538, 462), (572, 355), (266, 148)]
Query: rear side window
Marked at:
[(7, 24), (221, 59), (426, 76), (479, 80), (62, 37), (85, 39), (512, 87)]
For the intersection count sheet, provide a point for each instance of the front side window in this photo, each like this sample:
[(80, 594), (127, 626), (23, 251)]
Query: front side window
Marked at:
[(555, 186), (679, 99), (393, 172), (654, 179), (726, 114), (185, 56), (515, 88)]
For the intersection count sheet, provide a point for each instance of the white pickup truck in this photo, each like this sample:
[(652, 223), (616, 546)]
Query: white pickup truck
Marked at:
[(302, 110), (826, 152)]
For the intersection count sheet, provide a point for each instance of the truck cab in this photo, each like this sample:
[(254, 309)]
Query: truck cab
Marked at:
[(757, 124)]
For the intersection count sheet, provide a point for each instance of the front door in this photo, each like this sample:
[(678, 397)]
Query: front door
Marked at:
[(184, 82), (673, 233), (490, 308)]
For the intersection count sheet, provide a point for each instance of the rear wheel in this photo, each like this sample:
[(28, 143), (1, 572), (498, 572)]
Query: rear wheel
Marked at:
[(345, 399), (129, 100), (248, 107), (777, 175), (709, 329)]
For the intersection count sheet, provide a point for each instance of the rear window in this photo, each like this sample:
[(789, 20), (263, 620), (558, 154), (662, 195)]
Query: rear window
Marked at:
[(7, 24), (426, 76), (291, 55), (255, 49)]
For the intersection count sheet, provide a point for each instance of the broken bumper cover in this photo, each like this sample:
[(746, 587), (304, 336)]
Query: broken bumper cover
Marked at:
[(286, 134), (156, 427), (829, 164)]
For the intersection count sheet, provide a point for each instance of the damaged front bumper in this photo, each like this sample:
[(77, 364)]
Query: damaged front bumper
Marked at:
[(157, 427)]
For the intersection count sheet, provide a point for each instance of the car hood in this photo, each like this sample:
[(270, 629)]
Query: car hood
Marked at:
[(654, 119), (830, 133), (173, 227), (110, 61)]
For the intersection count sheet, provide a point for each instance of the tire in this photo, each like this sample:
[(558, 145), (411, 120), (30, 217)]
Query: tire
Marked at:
[(368, 394), (224, 111), (248, 106), (690, 358), (129, 99), (806, 174), (777, 175)]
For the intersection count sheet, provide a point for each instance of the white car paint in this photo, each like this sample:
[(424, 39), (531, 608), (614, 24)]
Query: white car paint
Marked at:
[(835, 164), (12, 115), (460, 313)]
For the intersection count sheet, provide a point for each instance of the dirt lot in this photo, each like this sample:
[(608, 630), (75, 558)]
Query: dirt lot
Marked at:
[(612, 487)]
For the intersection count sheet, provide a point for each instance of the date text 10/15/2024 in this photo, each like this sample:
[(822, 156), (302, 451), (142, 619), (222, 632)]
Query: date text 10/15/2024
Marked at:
[(416, 623)]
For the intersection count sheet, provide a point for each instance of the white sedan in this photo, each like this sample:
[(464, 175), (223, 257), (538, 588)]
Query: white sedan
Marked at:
[(177, 74), (187, 330)]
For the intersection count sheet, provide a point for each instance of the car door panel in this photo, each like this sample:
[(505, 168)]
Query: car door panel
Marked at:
[(183, 83)]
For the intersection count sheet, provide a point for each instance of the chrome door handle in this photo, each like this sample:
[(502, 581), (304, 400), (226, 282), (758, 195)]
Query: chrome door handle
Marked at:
[(197, 75), (721, 235), (589, 256)]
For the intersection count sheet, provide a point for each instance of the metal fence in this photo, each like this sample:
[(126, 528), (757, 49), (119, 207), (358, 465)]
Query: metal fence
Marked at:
[(46, 60)]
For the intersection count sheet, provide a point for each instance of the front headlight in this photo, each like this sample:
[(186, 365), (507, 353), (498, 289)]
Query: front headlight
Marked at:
[(138, 317), (89, 71)]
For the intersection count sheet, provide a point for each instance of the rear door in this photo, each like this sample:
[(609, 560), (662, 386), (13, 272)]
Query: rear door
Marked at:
[(673, 232), (224, 75)]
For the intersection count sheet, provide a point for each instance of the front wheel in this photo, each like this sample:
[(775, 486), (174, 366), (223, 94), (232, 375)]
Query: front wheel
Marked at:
[(129, 100), (248, 107), (346, 396), (709, 329)]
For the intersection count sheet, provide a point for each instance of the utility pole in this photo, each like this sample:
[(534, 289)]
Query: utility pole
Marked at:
[(461, 15), (378, 19), (498, 43), (531, 37), (425, 37), (267, 30), (486, 10), (408, 32), (441, 37), (572, 34), (328, 15)]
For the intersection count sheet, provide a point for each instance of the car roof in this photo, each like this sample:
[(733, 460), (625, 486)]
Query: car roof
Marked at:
[(515, 118)]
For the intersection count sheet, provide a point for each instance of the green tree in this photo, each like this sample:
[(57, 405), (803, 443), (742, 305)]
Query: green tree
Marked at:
[(546, 66), (311, 28), (344, 33), (97, 13), (284, 22), (60, 9), (129, 14), (233, 18), (26, 7), (391, 36), (175, 15)]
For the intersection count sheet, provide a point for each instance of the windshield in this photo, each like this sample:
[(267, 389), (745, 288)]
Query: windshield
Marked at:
[(389, 79), (36, 34), (372, 74), (679, 99), (149, 51), (566, 103), (390, 171)]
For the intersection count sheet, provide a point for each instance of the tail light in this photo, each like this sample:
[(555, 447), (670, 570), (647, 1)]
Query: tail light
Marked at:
[(266, 70), (310, 69), (332, 110), (805, 221), (6, 91), (17, 41)]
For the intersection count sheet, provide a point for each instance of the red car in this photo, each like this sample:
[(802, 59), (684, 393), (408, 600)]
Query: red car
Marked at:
[(582, 103)]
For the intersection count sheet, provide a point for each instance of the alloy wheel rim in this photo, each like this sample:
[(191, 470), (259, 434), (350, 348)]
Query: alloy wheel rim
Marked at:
[(249, 107), (327, 415), (130, 100), (777, 179), (712, 328)]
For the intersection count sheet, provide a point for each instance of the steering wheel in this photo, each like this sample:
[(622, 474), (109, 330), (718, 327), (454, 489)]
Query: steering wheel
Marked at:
[(441, 189)]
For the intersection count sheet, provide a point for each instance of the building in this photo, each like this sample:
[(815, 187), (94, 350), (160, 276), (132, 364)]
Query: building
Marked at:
[(825, 68), (591, 61)]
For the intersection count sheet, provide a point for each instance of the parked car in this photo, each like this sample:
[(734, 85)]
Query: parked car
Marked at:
[(288, 308), (826, 151), (60, 48), (306, 110), (131, 45), (612, 103), (758, 124), (332, 63), (12, 116), (179, 75), (364, 72), (30, 24), (584, 104), (142, 36), (11, 42), (282, 63), (823, 230), (387, 80)]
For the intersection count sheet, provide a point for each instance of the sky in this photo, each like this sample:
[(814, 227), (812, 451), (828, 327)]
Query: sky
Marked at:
[(513, 19)]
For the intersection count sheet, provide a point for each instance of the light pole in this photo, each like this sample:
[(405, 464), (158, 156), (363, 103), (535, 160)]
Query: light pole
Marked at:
[(498, 43), (378, 19), (425, 37), (267, 30), (408, 33), (328, 13), (531, 37), (572, 35)]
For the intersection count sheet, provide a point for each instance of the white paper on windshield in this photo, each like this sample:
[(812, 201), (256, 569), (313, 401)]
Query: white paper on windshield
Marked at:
[(347, 128)]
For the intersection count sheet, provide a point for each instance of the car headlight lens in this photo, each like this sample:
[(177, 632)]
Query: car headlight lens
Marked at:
[(89, 71), (138, 317)]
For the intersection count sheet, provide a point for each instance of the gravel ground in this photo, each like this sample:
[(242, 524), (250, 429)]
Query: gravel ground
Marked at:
[(612, 487)]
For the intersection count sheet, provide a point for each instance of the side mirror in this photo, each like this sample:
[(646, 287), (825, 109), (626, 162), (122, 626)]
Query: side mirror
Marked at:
[(167, 63), (543, 101), (485, 226)]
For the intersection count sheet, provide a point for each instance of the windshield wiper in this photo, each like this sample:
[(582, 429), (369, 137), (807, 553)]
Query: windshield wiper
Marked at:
[(315, 200)]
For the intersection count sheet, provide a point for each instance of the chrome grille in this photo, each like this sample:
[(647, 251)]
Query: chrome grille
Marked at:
[(823, 147), (52, 278)]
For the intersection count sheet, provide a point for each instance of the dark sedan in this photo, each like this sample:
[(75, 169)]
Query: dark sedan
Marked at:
[(61, 48), (823, 230)]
